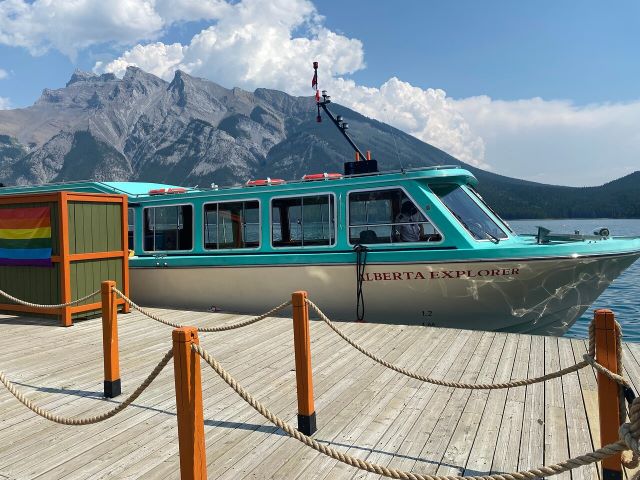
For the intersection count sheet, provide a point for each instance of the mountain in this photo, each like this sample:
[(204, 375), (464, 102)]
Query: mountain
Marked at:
[(192, 131)]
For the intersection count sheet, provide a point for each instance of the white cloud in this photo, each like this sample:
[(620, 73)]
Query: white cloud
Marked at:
[(71, 25), (189, 10), (3, 74), (157, 58), (253, 45), (5, 104), (270, 43), (427, 114), (556, 141)]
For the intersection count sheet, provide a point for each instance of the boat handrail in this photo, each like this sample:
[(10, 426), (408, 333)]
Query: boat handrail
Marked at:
[(301, 181), (106, 185)]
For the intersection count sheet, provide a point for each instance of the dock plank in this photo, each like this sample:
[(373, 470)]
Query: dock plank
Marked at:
[(505, 458), (363, 408)]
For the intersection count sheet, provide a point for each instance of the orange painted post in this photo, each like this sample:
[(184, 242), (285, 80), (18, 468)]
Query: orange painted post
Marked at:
[(125, 250), (608, 390), (304, 375), (112, 386), (65, 280), (186, 366)]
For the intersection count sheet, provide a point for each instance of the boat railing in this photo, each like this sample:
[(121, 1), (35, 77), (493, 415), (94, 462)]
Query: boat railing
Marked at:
[(87, 183), (360, 175)]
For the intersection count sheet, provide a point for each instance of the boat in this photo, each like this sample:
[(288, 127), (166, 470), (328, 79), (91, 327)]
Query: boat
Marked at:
[(408, 247), (413, 246)]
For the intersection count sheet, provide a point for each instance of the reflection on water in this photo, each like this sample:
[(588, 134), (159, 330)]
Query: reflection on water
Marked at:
[(623, 296)]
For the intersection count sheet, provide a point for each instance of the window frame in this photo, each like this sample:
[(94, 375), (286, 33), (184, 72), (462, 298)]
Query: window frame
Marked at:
[(403, 244), (478, 198), (249, 249), (304, 247), (193, 227), (131, 217), (474, 200)]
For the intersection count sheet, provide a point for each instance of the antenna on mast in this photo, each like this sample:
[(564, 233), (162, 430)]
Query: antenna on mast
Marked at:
[(350, 168)]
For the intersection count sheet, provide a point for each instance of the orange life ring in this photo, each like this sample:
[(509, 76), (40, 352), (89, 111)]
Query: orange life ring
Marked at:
[(322, 176), (177, 190), (157, 191), (267, 181)]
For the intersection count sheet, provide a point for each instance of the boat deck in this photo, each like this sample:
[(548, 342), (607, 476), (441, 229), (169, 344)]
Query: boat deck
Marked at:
[(362, 408)]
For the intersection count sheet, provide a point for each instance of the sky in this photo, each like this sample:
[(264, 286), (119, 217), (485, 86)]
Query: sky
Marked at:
[(546, 91)]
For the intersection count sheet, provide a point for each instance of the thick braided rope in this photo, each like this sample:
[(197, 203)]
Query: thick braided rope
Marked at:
[(445, 383), (605, 371), (250, 321), (630, 460), (630, 433), (37, 305), (221, 328), (543, 471), (86, 420)]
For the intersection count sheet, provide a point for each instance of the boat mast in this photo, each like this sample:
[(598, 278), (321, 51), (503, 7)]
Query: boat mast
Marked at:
[(350, 168)]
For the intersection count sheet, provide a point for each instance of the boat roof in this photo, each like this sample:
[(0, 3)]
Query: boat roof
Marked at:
[(145, 189), (132, 189)]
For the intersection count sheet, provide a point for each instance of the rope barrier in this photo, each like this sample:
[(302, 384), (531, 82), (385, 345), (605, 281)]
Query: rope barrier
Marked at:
[(37, 305), (86, 420), (628, 432), (221, 328), (588, 360), (605, 371)]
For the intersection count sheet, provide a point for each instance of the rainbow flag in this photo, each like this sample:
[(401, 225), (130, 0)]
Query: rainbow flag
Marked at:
[(25, 236)]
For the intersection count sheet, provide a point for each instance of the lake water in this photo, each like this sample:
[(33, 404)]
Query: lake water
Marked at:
[(623, 295)]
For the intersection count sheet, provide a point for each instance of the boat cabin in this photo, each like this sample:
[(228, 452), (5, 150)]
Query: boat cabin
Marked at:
[(428, 208)]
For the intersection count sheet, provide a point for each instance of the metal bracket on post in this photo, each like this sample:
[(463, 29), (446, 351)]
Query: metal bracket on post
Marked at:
[(608, 391), (110, 349), (188, 382), (304, 375)]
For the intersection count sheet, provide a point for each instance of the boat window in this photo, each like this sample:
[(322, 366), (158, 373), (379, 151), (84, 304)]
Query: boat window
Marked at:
[(232, 225), (168, 228), (303, 221), (387, 216), (488, 207), (130, 233), (472, 217)]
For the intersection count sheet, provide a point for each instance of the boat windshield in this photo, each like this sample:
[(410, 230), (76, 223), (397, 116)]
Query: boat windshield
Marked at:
[(472, 217)]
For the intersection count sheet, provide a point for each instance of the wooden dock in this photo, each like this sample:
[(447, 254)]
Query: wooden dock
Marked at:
[(362, 408)]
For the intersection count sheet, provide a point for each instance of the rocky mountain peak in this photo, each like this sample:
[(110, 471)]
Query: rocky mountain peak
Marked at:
[(135, 75), (188, 131), (79, 76)]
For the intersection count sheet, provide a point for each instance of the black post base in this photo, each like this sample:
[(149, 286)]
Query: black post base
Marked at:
[(307, 424), (611, 474), (112, 388)]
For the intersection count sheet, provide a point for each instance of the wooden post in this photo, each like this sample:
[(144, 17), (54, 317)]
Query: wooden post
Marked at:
[(126, 308), (112, 387), (186, 365), (65, 274), (608, 390), (304, 375)]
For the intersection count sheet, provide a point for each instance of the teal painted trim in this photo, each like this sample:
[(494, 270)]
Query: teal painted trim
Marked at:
[(520, 251)]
